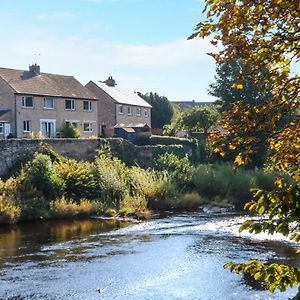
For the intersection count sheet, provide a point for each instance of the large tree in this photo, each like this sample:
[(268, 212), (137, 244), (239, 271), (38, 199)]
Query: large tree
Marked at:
[(162, 109), (265, 35), (199, 118), (224, 86)]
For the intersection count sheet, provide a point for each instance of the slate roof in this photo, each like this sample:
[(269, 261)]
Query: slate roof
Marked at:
[(184, 105), (123, 96), (45, 84)]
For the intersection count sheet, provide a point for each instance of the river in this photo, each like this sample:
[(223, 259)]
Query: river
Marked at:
[(176, 257)]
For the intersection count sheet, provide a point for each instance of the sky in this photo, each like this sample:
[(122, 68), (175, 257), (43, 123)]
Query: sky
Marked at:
[(141, 43)]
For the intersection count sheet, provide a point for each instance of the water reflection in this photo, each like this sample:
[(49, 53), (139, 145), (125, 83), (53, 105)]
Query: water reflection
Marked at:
[(178, 257)]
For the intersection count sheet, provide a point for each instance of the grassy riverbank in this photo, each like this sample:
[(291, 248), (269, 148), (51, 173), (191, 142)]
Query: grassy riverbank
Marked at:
[(51, 186)]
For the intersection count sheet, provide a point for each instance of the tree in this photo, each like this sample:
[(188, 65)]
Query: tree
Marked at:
[(162, 109), (227, 75), (265, 35), (199, 119)]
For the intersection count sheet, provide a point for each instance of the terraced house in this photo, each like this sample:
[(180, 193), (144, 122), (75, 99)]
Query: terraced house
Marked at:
[(32, 102)]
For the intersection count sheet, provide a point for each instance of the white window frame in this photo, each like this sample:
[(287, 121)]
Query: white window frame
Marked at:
[(72, 122), (138, 111), (90, 126), (48, 98), (146, 113), (24, 98), (121, 109), (1, 128), (90, 105), (27, 126), (129, 110), (73, 104)]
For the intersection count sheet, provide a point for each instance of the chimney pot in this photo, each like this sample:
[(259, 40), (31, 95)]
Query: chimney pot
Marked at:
[(35, 69)]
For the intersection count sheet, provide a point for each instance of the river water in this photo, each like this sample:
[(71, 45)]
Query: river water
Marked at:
[(176, 257)]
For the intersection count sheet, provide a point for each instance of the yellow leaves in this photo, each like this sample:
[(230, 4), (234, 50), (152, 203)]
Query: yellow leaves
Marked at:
[(238, 86)]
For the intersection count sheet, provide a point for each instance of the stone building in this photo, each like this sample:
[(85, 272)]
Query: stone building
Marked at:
[(118, 107), (32, 102)]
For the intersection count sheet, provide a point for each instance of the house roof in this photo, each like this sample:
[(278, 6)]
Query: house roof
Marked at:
[(184, 105), (123, 96), (45, 84), (140, 125)]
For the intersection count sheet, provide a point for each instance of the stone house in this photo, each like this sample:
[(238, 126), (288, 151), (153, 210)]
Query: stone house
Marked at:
[(118, 107), (32, 102)]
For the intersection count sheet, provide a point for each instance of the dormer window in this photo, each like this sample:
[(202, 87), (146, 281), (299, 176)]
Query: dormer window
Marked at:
[(27, 102)]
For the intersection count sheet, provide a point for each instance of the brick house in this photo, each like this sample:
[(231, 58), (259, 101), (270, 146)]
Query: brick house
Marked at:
[(118, 107), (31, 101)]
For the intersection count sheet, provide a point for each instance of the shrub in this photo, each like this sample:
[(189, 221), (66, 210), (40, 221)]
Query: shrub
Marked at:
[(67, 208), (189, 201), (69, 131), (9, 211), (80, 181), (112, 179), (42, 175), (134, 206), (180, 169)]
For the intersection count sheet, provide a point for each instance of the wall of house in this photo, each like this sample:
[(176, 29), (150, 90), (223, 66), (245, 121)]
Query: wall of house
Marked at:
[(106, 107), (58, 113), (17, 151), (133, 118), (7, 101)]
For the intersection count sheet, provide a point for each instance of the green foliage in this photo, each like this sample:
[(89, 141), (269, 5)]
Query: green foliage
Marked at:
[(112, 179), (69, 131), (180, 169), (162, 109), (79, 178), (41, 174), (9, 211), (199, 118), (227, 75)]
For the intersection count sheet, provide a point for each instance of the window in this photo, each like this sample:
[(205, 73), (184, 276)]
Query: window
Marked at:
[(138, 111), (1, 128), (88, 127), (121, 111), (87, 105), (129, 111), (146, 113), (73, 123), (48, 103), (27, 126), (70, 104), (27, 101)]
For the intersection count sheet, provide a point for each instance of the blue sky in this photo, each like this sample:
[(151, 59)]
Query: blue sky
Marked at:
[(142, 43)]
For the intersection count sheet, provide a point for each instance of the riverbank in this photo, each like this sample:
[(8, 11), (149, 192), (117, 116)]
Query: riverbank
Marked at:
[(51, 186)]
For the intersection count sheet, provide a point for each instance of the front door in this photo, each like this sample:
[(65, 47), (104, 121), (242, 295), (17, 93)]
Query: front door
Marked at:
[(48, 128)]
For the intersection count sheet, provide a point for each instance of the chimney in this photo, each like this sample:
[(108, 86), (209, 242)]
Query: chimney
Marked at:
[(35, 69), (110, 81)]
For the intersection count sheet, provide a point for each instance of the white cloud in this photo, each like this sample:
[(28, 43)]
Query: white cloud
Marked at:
[(163, 68), (55, 16)]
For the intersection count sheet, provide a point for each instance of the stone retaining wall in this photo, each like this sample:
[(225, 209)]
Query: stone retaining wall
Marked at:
[(14, 151)]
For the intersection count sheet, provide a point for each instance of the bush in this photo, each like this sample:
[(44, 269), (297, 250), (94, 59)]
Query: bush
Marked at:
[(180, 169), (67, 208), (135, 205), (80, 181), (9, 211), (41, 174), (112, 179), (69, 131)]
